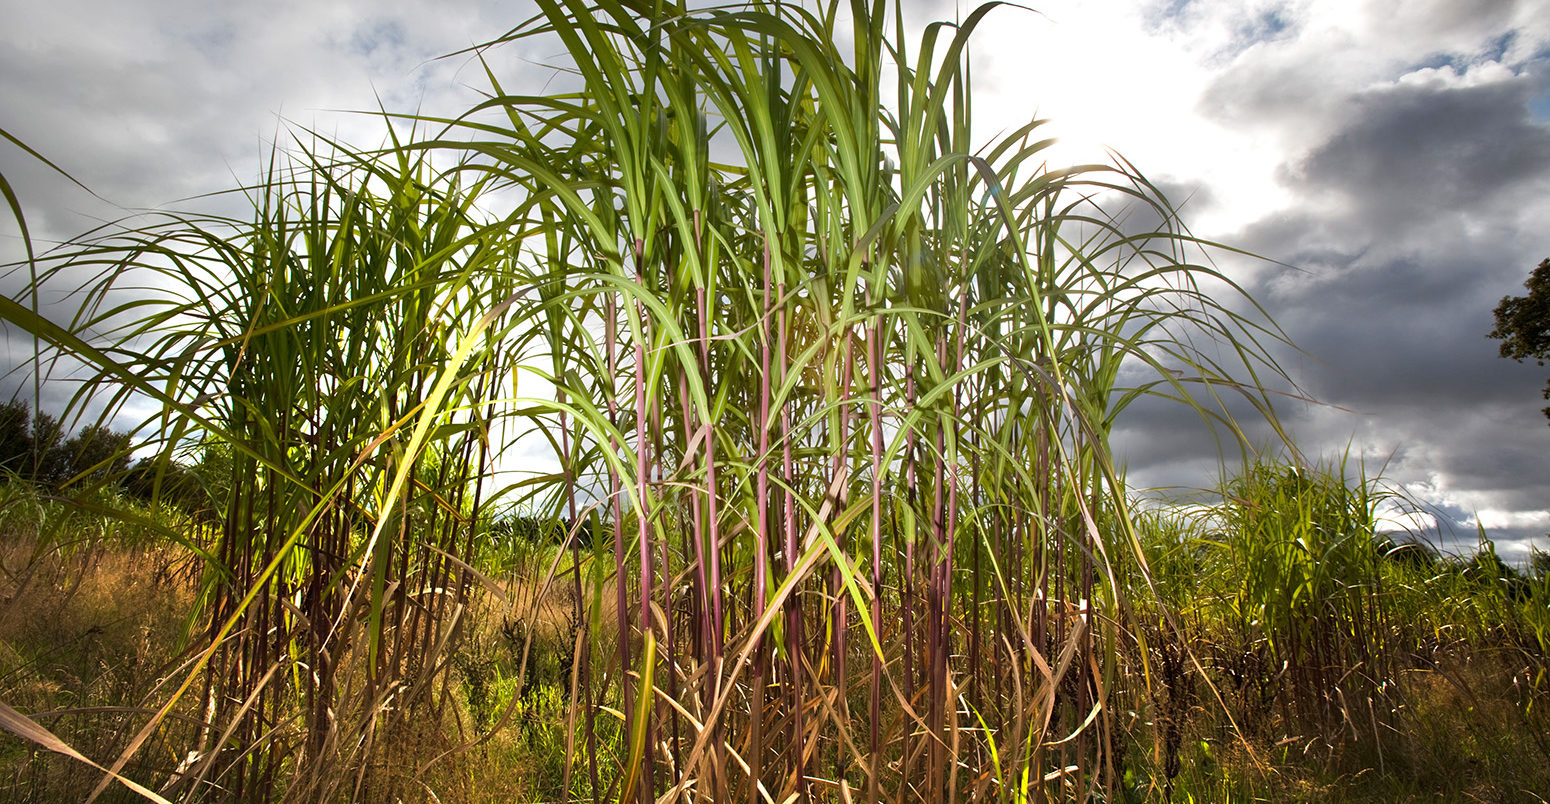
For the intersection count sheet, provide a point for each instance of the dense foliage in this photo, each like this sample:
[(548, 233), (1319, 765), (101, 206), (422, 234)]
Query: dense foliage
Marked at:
[(1523, 322), (35, 449)]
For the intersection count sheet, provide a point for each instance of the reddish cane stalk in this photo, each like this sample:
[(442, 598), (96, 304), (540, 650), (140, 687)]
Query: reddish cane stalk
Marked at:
[(761, 535), (616, 505), (875, 703), (793, 605), (643, 535)]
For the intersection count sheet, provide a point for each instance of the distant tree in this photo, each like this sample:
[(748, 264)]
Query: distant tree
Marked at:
[(1486, 568), (15, 437), (50, 464), (1416, 555), (35, 448), (1523, 322), (160, 479), (1539, 564), (97, 453)]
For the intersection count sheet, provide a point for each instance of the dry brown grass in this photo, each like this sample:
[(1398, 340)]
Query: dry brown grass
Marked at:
[(91, 630), (1462, 731), (88, 630)]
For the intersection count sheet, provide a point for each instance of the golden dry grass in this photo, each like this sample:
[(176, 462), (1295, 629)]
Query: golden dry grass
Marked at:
[(87, 634)]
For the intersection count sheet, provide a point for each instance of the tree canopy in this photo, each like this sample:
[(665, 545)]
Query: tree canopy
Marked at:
[(1523, 322), (36, 449)]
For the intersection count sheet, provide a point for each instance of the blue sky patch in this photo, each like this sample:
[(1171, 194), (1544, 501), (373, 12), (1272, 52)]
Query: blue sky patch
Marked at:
[(1539, 106)]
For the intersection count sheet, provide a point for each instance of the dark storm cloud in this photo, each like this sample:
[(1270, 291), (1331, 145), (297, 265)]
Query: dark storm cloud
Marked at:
[(1176, 198), (1418, 199), (1168, 445), (1413, 153), (1410, 328), (1397, 299), (1417, 239)]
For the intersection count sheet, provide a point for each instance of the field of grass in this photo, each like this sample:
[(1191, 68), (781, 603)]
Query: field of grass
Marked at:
[(820, 387), (1444, 702)]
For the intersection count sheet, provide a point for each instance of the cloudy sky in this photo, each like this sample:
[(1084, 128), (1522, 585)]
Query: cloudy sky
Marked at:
[(1395, 154)]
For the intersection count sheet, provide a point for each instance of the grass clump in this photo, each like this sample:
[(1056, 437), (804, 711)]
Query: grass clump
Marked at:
[(1335, 662), (93, 617)]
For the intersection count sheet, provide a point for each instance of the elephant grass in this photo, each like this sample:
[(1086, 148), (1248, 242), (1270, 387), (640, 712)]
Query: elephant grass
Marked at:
[(833, 384)]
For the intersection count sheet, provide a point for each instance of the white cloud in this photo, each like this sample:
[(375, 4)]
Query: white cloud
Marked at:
[(1495, 519)]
